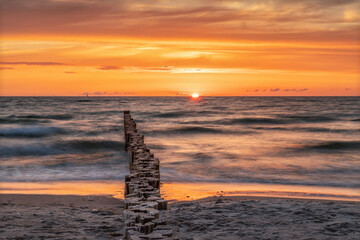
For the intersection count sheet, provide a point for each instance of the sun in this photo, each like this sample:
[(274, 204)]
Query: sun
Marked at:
[(194, 95)]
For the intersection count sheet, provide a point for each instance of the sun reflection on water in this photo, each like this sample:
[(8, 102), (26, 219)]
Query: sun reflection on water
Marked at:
[(182, 191)]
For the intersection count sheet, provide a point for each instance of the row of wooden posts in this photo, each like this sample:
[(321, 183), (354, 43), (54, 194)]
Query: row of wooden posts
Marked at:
[(143, 201)]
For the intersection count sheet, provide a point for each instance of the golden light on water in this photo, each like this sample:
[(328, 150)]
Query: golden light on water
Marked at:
[(182, 191)]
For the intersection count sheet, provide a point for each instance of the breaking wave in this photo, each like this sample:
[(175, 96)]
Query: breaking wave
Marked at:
[(31, 132), (33, 118), (310, 129), (62, 147), (51, 116), (310, 119), (177, 114), (251, 121), (196, 130), (333, 145), (21, 121)]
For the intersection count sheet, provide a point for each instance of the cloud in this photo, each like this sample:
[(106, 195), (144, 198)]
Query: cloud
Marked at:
[(163, 68), (296, 90), (182, 94), (96, 93), (106, 93), (6, 68), (100, 93), (70, 72), (274, 89), (33, 63), (278, 90), (109, 68), (311, 20), (128, 93), (138, 69), (347, 89)]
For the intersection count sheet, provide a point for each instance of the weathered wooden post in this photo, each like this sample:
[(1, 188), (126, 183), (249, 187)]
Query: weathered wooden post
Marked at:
[(142, 189)]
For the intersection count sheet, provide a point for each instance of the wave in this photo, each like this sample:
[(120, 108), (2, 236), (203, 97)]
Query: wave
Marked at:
[(190, 130), (311, 119), (83, 100), (31, 132), (309, 129), (177, 114), (103, 112), (62, 147), (33, 118), (328, 130), (21, 121), (267, 120), (220, 108), (101, 131), (51, 116), (250, 121), (333, 145), (289, 119), (194, 129), (90, 145), (170, 173)]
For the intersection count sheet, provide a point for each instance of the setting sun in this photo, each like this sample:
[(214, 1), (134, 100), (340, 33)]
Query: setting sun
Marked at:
[(195, 95)]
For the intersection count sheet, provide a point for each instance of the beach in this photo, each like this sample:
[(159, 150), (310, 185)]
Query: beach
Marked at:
[(265, 218), (26, 216), (60, 217)]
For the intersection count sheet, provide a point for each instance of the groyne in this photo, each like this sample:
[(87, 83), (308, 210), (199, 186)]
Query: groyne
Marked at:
[(143, 201)]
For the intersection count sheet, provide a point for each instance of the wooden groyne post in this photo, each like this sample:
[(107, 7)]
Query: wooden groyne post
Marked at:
[(143, 201)]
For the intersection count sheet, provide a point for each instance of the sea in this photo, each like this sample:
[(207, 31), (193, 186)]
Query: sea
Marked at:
[(271, 146)]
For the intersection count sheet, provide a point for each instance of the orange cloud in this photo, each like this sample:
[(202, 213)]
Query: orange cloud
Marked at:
[(33, 63), (109, 68), (251, 20)]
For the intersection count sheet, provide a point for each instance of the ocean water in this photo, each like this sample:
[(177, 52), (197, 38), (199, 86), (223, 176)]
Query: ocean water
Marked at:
[(271, 141)]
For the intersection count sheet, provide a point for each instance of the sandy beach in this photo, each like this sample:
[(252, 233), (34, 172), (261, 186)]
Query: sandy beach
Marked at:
[(60, 217), (100, 217), (265, 218)]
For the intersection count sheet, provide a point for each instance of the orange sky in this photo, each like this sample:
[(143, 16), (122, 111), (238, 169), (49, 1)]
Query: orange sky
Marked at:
[(168, 47)]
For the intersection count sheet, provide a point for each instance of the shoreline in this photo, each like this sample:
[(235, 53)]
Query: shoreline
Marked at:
[(184, 191), (28, 216), (20, 197)]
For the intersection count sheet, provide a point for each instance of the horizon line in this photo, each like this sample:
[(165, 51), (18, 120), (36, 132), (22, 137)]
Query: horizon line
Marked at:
[(186, 96)]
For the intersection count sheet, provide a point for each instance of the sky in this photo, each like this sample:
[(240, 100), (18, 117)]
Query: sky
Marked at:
[(175, 48)]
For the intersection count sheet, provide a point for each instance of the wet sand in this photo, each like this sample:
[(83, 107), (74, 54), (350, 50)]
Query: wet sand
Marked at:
[(100, 217), (233, 218), (60, 217)]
